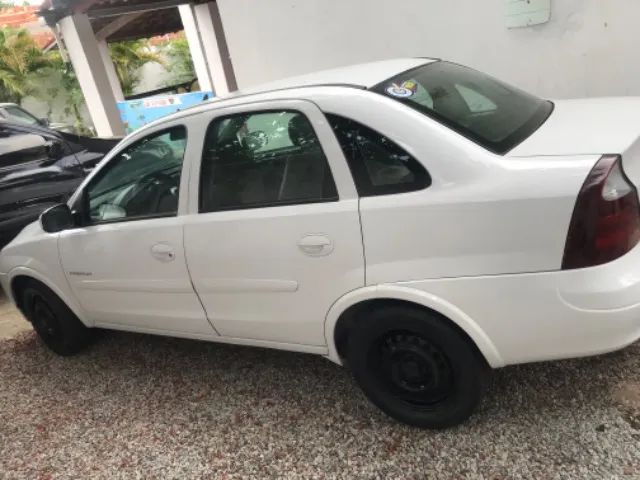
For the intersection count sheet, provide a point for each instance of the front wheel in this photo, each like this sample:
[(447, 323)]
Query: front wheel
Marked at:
[(416, 367), (54, 322)]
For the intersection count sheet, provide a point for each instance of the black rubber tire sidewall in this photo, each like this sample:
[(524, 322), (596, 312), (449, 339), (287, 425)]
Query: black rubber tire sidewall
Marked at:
[(74, 335), (468, 368)]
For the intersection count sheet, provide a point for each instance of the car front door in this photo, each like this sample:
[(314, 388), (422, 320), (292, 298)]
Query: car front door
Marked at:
[(274, 236), (126, 262)]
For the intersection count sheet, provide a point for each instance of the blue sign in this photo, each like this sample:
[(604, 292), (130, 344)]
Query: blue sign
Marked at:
[(137, 113)]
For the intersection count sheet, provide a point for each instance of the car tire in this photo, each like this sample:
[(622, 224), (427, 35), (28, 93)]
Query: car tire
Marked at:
[(55, 323), (416, 366)]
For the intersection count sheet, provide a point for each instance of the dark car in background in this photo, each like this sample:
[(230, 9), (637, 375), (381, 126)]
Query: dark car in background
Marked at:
[(39, 168), (14, 113)]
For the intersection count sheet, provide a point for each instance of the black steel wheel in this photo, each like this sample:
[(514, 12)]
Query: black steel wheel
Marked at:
[(44, 320), (416, 366), (412, 368), (55, 323)]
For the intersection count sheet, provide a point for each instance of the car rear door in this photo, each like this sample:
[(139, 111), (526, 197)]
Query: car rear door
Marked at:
[(37, 170), (274, 236)]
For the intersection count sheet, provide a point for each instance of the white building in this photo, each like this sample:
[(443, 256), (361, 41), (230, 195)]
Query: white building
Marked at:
[(586, 48)]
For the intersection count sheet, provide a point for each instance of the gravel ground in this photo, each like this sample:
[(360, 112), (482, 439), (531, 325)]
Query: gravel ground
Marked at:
[(11, 322), (136, 406)]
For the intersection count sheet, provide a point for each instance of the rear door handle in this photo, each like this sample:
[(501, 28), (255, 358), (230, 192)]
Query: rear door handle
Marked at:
[(163, 252), (315, 245)]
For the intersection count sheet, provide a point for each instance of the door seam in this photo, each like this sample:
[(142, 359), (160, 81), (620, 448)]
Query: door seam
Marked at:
[(364, 253), (186, 262)]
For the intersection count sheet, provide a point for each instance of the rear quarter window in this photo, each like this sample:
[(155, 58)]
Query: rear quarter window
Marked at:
[(378, 165)]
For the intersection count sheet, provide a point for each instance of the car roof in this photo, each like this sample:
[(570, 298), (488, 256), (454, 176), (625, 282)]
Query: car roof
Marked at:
[(8, 104), (364, 75)]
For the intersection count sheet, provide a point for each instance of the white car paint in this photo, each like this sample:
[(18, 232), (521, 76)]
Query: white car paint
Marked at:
[(585, 126), (261, 273), (361, 75), (98, 262), (482, 245)]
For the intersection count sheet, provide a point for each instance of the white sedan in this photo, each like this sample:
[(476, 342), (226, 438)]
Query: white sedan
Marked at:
[(413, 219)]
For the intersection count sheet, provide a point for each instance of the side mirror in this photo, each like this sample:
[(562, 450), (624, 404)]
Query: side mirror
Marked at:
[(57, 219), (44, 121)]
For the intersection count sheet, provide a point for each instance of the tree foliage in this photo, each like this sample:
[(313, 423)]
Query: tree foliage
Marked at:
[(69, 83), (128, 57), (23, 65), (21, 60), (180, 64)]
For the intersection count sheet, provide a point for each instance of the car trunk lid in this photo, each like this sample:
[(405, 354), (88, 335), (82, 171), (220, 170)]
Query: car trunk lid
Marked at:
[(590, 126)]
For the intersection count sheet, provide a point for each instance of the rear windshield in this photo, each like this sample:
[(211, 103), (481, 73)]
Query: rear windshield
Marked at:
[(483, 109)]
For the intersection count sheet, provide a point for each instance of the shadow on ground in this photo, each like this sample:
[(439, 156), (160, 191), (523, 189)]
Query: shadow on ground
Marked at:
[(161, 407)]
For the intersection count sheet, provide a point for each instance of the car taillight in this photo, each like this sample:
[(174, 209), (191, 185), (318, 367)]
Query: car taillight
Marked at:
[(606, 218)]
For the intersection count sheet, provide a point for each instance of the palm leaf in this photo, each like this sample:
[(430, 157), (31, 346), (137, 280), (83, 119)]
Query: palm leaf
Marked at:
[(21, 60)]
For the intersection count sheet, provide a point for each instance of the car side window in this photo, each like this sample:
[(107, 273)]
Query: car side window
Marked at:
[(142, 181), (263, 159), (19, 115), (378, 165)]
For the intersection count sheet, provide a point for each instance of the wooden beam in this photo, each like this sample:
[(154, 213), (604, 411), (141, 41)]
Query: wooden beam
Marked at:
[(116, 25)]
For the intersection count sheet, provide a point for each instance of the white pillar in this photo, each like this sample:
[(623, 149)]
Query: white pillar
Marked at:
[(195, 46), (216, 50), (92, 74), (114, 81)]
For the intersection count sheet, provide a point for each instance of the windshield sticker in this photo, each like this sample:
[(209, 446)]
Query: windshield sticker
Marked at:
[(410, 85), (405, 90)]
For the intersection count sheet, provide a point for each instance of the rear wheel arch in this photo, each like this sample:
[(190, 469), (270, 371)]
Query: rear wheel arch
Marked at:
[(353, 307)]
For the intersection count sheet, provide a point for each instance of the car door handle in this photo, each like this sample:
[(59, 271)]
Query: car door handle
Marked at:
[(315, 245), (163, 252)]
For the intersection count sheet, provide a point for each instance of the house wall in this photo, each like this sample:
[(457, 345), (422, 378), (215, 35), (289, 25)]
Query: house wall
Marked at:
[(51, 100), (588, 48), (152, 76)]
